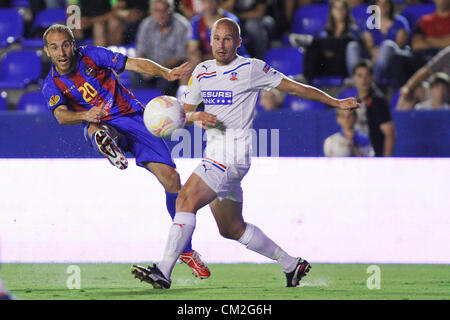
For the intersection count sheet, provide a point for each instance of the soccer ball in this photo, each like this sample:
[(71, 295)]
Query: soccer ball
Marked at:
[(163, 115)]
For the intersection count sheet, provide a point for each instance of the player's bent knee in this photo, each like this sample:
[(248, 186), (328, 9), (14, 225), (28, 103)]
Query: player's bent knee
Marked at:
[(185, 203), (233, 232), (173, 180)]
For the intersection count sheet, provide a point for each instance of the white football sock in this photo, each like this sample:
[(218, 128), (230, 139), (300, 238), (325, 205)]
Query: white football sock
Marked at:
[(257, 241), (179, 235)]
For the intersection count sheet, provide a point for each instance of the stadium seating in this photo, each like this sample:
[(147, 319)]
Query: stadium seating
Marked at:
[(145, 95), (331, 81), (43, 20), (20, 3), (310, 19), (11, 27), (297, 104), (32, 102), (15, 74), (360, 15), (287, 60), (46, 18), (347, 93), (415, 11)]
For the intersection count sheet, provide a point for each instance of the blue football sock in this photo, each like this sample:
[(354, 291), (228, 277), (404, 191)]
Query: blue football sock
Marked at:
[(171, 199)]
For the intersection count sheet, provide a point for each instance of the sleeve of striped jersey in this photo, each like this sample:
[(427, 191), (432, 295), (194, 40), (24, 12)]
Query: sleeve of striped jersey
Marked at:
[(263, 76), (106, 58), (52, 95), (193, 92)]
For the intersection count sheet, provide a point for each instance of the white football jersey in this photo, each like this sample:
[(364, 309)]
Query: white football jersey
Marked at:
[(230, 92)]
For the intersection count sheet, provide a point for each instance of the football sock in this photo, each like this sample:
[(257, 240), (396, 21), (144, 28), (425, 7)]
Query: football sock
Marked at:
[(180, 234), (171, 199), (257, 241)]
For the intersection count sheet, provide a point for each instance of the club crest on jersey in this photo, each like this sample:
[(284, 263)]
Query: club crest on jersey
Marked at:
[(266, 68), (217, 97), (233, 76), (115, 58), (89, 71), (54, 100)]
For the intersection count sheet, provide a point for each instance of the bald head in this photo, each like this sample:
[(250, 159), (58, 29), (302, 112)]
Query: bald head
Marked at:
[(225, 39), (236, 29)]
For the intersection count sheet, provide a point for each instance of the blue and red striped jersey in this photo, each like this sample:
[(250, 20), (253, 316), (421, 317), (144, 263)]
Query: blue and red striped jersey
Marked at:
[(94, 82)]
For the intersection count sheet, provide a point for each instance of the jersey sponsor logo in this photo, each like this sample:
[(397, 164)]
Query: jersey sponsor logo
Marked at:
[(54, 100), (217, 97)]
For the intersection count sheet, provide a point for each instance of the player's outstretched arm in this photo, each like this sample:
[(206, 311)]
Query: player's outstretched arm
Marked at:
[(67, 117), (141, 65), (311, 93)]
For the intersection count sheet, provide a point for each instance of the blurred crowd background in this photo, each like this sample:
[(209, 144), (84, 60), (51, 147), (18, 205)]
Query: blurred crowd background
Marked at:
[(396, 63)]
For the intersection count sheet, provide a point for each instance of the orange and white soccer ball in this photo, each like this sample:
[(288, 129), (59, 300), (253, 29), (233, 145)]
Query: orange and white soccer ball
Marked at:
[(163, 115)]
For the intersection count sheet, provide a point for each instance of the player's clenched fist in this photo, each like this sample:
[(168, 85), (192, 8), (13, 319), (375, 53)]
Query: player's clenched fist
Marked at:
[(349, 103), (202, 119), (95, 114)]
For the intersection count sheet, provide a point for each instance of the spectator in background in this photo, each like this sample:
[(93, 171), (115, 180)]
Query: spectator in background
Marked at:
[(258, 27), (439, 87), (271, 99), (431, 34), (199, 47), (162, 37), (348, 142), (128, 15), (190, 8), (414, 90), (380, 45), (326, 55), (95, 21), (374, 116)]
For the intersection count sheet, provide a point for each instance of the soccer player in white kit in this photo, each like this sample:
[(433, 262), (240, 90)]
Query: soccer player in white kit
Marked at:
[(229, 86)]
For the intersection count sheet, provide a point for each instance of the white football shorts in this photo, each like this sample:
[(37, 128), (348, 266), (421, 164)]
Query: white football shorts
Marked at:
[(225, 180)]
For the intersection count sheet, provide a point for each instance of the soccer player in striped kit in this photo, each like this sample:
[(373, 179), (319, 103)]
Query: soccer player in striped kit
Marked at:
[(83, 87), (228, 86)]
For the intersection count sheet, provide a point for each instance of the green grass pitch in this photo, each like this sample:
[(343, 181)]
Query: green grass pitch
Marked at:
[(110, 281)]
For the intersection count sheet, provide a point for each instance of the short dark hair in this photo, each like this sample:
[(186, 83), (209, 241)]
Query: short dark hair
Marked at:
[(57, 28), (364, 63)]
